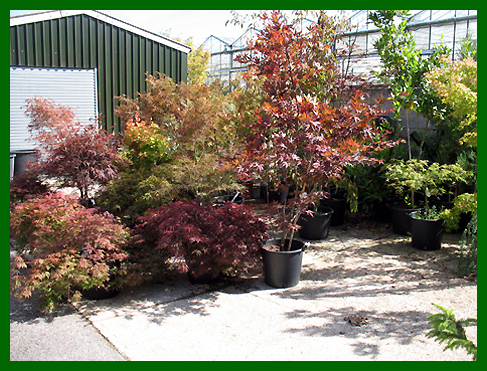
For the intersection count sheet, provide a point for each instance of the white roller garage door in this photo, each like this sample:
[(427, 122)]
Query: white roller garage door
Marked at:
[(75, 88)]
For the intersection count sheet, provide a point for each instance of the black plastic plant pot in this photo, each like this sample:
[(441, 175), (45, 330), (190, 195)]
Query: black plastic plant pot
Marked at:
[(283, 268), (401, 220), (316, 226), (339, 205), (204, 279), (426, 234), (99, 293)]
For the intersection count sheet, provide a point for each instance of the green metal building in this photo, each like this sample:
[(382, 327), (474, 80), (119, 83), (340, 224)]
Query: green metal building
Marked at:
[(121, 54)]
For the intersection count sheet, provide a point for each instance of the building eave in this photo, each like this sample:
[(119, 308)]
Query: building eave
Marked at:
[(44, 16)]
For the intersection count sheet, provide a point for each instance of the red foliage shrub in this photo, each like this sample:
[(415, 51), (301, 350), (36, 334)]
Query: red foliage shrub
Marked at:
[(67, 246), (74, 154), (24, 186), (203, 239)]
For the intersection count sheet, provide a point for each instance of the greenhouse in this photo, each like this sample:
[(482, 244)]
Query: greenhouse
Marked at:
[(428, 27)]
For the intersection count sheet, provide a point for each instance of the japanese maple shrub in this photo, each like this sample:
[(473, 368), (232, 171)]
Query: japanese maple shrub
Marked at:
[(64, 248), (74, 154), (26, 185), (145, 182), (420, 176), (198, 120), (314, 120), (203, 239)]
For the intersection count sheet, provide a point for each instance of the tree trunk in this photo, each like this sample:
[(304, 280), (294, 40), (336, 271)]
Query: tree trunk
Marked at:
[(423, 139), (407, 132)]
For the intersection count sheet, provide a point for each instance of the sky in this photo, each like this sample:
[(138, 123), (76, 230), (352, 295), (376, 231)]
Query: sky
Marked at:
[(199, 24)]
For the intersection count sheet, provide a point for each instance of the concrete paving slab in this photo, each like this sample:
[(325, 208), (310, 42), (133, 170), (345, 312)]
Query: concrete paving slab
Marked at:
[(252, 321), (63, 336)]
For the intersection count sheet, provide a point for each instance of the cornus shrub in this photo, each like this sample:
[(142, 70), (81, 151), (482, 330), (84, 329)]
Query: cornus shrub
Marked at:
[(202, 239), (313, 121), (64, 248), (74, 154)]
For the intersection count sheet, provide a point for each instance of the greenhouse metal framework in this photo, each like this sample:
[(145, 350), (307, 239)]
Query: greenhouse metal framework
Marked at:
[(428, 27)]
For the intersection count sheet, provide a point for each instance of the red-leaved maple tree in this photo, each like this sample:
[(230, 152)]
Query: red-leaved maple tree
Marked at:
[(314, 119), (203, 239), (73, 154)]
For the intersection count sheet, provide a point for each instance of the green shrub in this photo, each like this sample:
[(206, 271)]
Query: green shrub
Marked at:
[(468, 259), (134, 192)]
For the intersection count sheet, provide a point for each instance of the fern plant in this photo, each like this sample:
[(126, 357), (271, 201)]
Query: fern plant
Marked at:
[(446, 329)]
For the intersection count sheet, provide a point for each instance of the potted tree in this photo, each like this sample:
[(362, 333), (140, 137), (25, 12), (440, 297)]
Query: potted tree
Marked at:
[(312, 123), (419, 176), (203, 240)]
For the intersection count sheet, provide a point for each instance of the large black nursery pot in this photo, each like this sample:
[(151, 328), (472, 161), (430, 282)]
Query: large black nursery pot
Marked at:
[(100, 293), (339, 204), (316, 226), (426, 234), (401, 220), (283, 268)]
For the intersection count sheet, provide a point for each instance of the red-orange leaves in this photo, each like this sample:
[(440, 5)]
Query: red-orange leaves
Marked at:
[(77, 155), (314, 119), (70, 248)]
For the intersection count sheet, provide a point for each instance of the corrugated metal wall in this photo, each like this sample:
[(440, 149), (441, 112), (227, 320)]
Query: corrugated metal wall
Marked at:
[(121, 57)]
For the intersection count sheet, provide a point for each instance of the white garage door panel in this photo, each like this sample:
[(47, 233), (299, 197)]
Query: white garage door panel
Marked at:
[(75, 88)]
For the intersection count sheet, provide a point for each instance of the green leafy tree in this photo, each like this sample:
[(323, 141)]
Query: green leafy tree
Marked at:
[(403, 70), (198, 63), (421, 176), (456, 83), (198, 59)]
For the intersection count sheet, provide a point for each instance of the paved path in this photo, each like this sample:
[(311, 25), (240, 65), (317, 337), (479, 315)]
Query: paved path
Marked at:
[(392, 286), (63, 336)]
